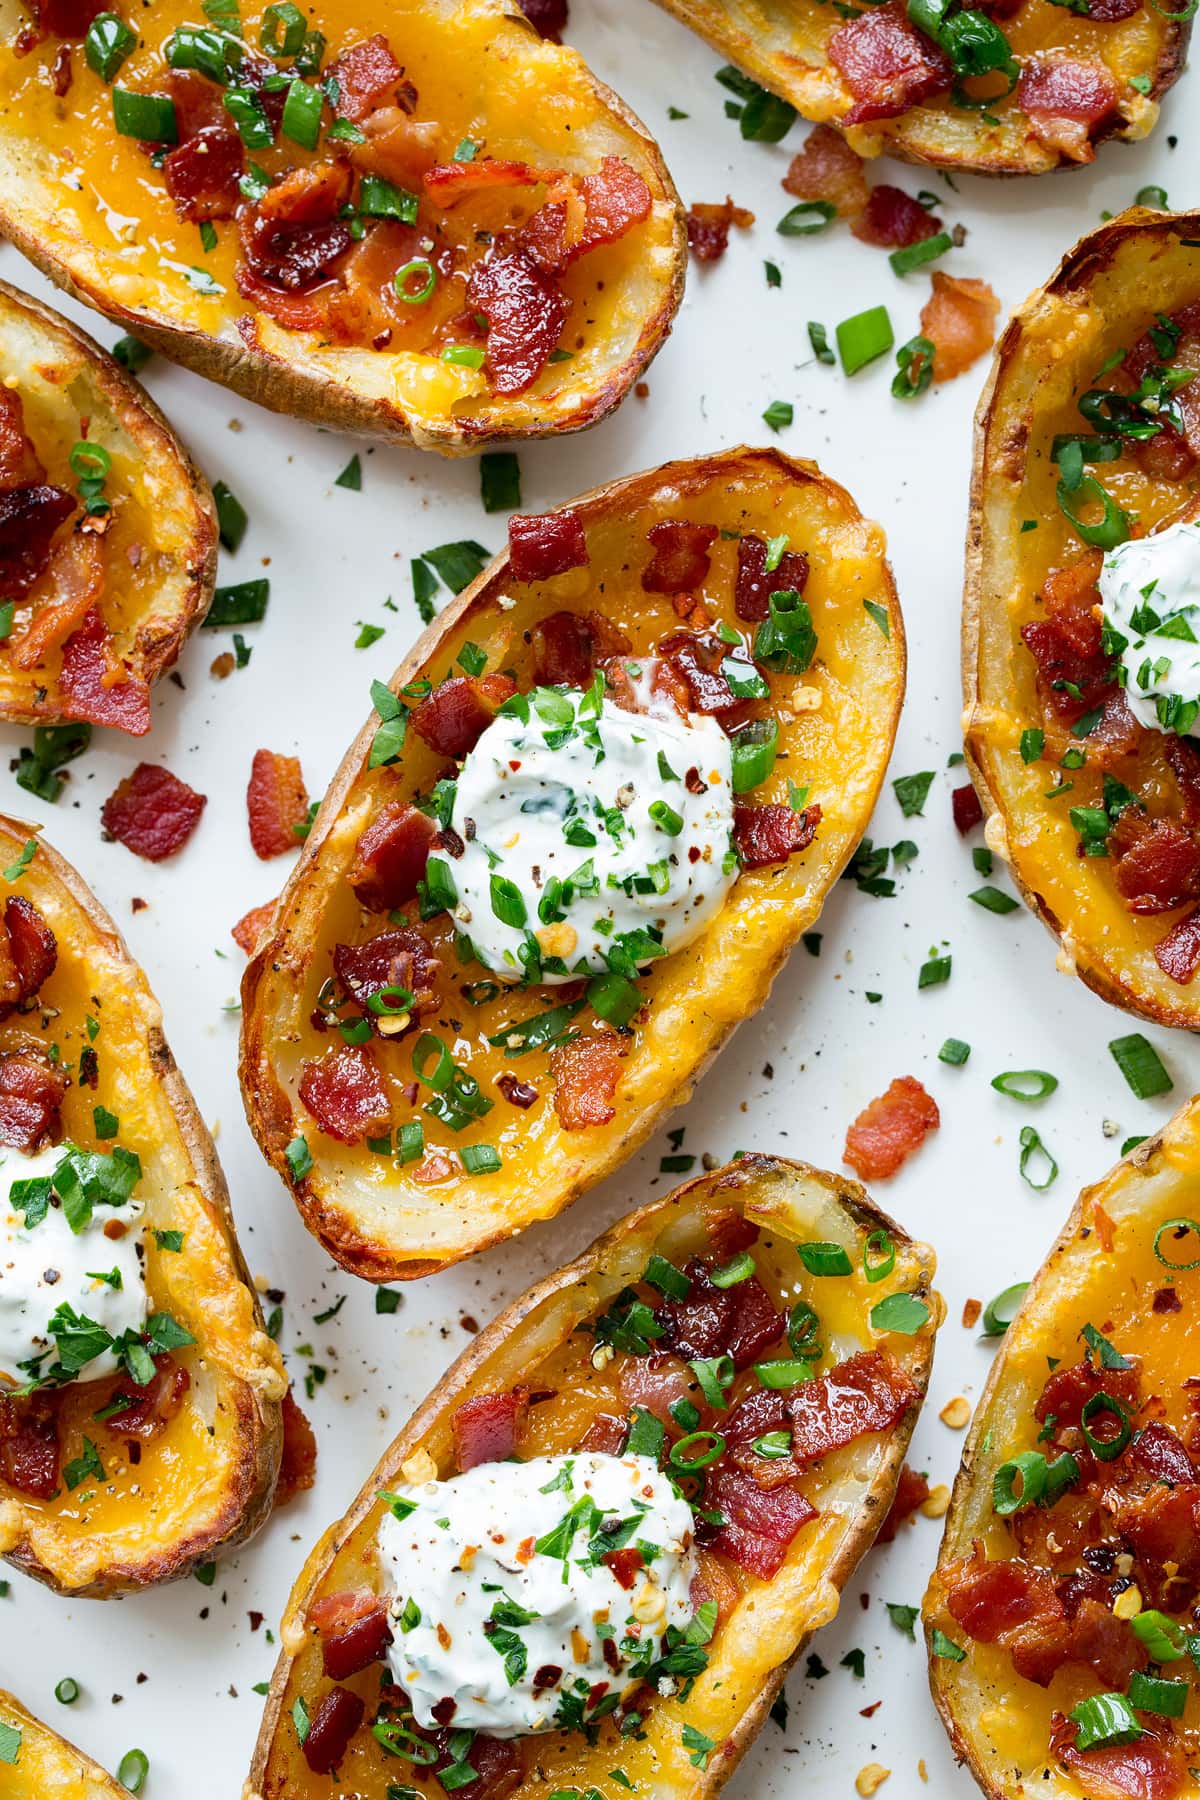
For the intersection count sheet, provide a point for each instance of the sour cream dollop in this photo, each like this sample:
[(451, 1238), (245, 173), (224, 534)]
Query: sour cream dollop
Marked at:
[(597, 830), (44, 1266), (1150, 590), (500, 1600)]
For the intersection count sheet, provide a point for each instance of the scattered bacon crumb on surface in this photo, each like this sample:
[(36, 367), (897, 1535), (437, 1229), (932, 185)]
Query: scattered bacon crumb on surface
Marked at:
[(152, 812), (826, 168), (708, 228), (251, 926), (276, 803), (972, 1309), (912, 1491), (893, 220), (298, 1467), (959, 319), (890, 1129), (967, 809)]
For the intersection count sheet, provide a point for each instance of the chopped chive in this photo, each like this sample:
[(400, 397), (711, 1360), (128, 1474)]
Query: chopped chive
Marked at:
[(993, 900), (1141, 1065), (863, 337), (351, 475), (955, 1052)]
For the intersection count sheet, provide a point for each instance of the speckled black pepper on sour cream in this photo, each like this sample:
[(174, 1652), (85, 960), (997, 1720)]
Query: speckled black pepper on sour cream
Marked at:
[(501, 1601), (68, 1257), (1150, 591), (596, 831)]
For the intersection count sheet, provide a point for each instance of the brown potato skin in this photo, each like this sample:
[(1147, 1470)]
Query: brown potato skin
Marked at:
[(761, 1186), (773, 51), (244, 1495), (328, 1207), (1116, 969), (186, 494), (48, 1764)]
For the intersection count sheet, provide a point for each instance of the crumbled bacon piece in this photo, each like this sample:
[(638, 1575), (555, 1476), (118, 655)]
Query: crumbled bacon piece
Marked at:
[(680, 562), (967, 809), (276, 802), (498, 1764), (754, 584), (606, 1435), (152, 812), (251, 926), (740, 1321), (1159, 1452), (912, 1491), (454, 717), (485, 1427), (582, 213), (366, 76), (20, 464), (345, 1094), (29, 1445), (1149, 1769), (28, 953), (1068, 1390), (585, 1071), (400, 958), (448, 183), (294, 237), (402, 150), (65, 18), (959, 319), (729, 1231), (1158, 862), (153, 1406), (70, 586), (625, 1565), (96, 687), (893, 220), (890, 1129), (202, 174), (1074, 672), (697, 658), (541, 545), (887, 64), (365, 303), (708, 227), (361, 1639), (712, 1581), (826, 168), (298, 1464), (771, 833), (31, 1097), (759, 1525), (868, 1392), (331, 1727), (655, 1383), (29, 517), (1065, 100), (1178, 953), (548, 17), (390, 856), (525, 312), (569, 647)]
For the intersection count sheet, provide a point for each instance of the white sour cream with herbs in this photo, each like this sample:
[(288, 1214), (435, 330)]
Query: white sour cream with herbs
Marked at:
[(466, 1559), (585, 811), (1150, 591), (97, 1273)]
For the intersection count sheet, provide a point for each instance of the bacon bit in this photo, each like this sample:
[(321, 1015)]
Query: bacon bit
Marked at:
[(708, 227), (580, 214), (754, 586), (826, 168), (887, 65), (154, 1406), (1065, 99), (1166, 1300), (99, 689), (366, 304), (298, 1464), (485, 1428), (605, 1435), (680, 557), (585, 1072), (1178, 953), (29, 517), (402, 958), (276, 802), (390, 856), (365, 75), (697, 657), (525, 312), (959, 319), (893, 220), (498, 1764), (971, 1312), (890, 1129), (568, 647), (345, 1094), (399, 148), (517, 1093), (548, 18), (31, 1095), (912, 1491), (712, 1581), (251, 926), (739, 1322), (448, 183), (1146, 1770), (758, 1526), (771, 833), (74, 582), (1068, 1390), (20, 465), (968, 812), (332, 1613), (541, 545), (1066, 644), (333, 1724), (1157, 1451), (202, 174), (729, 1231), (294, 237), (29, 1446), (867, 1393), (454, 717), (152, 812), (362, 1640), (626, 1565), (65, 18), (655, 1383), (1157, 862), (28, 953)]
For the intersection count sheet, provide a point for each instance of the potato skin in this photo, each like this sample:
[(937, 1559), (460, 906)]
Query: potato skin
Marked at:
[(715, 983), (788, 1199), (776, 42), (263, 366), (63, 374), (226, 1479), (48, 1764), (1098, 293)]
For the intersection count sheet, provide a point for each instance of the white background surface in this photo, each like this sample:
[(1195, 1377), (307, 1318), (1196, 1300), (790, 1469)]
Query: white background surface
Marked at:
[(333, 557)]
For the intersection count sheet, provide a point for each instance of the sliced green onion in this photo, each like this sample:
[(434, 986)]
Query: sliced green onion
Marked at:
[(480, 1159), (955, 1052), (508, 902), (1103, 1405), (1165, 1641), (614, 998), (107, 44), (666, 818), (1104, 1719), (1062, 1473), (1032, 1147), (1141, 1065), (1113, 526), (666, 1278), (684, 1454), (390, 1002), (420, 268), (301, 119), (993, 900), (378, 199), (150, 117), (819, 339), (133, 1770), (753, 750), (429, 1046), (879, 1255), (67, 1691), (825, 1259), (715, 1374), (1021, 1481), (1152, 1694), (999, 1313), (464, 356), (1152, 196), (740, 1268), (282, 30), (804, 1332), (915, 256), (783, 1373), (914, 368), (773, 1444), (1025, 1084), (1180, 1229), (806, 219), (410, 1142), (863, 337)]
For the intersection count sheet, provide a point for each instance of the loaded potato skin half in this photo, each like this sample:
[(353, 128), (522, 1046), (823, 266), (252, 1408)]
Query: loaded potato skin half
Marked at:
[(1060, 1617), (110, 534), (140, 1397), (442, 230), (596, 807), (1077, 633), (1017, 88), (35, 1761), (762, 1337)]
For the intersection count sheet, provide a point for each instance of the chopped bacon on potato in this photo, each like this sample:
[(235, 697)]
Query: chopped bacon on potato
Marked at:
[(28, 953), (959, 319), (912, 1491), (890, 1129), (541, 545), (97, 686), (1066, 99), (344, 1092), (70, 585), (390, 856), (887, 64), (454, 717), (585, 1071), (31, 1097)]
